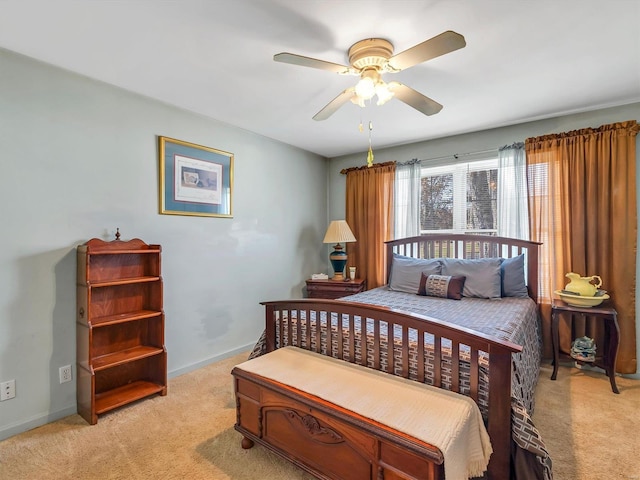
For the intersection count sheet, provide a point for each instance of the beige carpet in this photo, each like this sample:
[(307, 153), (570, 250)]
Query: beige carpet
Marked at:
[(591, 434)]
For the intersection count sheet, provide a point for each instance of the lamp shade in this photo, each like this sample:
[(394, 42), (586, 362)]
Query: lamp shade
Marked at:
[(338, 232)]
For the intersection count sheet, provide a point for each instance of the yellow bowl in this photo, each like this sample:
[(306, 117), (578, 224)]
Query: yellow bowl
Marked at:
[(580, 301)]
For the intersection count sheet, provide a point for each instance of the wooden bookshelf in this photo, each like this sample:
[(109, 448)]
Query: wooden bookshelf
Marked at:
[(121, 357)]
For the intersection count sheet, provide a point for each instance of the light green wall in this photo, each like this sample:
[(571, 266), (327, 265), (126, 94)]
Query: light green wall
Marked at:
[(79, 158), (476, 142)]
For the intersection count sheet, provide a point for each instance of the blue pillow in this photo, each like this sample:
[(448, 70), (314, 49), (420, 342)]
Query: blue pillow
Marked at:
[(513, 277), (483, 279), (407, 271)]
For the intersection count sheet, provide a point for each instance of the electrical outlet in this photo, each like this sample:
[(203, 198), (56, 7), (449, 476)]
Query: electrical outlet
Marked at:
[(65, 374), (7, 390)]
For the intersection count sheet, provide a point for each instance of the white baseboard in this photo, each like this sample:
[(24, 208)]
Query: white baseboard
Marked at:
[(37, 421), (207, 361)]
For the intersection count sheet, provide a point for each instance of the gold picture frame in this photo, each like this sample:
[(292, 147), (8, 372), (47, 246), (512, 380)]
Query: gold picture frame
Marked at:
[(194, 179)]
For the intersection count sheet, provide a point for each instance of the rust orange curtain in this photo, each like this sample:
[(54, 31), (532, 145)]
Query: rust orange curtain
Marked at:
[(369, 213), (582, 202)]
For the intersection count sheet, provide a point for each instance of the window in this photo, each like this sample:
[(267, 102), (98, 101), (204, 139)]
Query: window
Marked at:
[(460, 198)]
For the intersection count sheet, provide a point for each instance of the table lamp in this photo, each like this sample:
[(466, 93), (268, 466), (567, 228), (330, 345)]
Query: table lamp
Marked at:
[(337, 232)]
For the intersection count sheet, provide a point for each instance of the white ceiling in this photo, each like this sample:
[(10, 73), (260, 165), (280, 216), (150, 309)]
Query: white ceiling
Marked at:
[(524, 60)]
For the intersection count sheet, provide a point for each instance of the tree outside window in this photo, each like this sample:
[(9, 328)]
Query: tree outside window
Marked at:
[(460, 198)]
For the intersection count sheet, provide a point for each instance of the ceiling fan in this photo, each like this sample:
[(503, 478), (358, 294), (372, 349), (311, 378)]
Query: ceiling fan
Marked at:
[(373, 57)]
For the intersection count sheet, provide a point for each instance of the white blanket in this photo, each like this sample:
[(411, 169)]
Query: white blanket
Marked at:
[(447, 420)]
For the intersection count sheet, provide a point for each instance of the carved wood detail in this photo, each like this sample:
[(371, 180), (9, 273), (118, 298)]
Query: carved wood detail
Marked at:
[(313, 427)]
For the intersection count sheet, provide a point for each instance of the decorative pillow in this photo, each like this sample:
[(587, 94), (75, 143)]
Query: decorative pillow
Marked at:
[(406, 271), (483, 275), (513, 278), (441, 286)]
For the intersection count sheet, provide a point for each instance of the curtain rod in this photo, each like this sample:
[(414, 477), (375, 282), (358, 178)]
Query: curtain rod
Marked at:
[(344, 171), (453, 155)]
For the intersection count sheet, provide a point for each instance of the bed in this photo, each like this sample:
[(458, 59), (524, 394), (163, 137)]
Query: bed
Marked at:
[(441, 304)]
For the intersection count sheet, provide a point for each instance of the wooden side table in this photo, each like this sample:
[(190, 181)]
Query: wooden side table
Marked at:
[(606, 360), (334, 288)]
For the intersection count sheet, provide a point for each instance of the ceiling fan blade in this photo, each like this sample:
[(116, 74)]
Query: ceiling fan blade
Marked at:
[(446, 42), (294, 59), (335, 104), (415, 99)]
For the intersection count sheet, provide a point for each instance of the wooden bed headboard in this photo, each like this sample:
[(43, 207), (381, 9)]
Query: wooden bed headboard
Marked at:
[(438, 245)]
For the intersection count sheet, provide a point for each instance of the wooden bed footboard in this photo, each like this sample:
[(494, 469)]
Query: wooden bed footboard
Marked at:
[(293, 322)]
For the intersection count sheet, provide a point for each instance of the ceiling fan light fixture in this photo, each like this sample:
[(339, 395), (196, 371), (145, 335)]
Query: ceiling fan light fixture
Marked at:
[(356, 100), (383, 93), (365, 88)]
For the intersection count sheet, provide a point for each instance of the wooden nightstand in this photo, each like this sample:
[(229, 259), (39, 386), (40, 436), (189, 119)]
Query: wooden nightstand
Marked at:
[(606, 354), (334, 288)]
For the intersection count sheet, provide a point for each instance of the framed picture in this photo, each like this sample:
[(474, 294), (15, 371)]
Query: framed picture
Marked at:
[(195, 180)]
